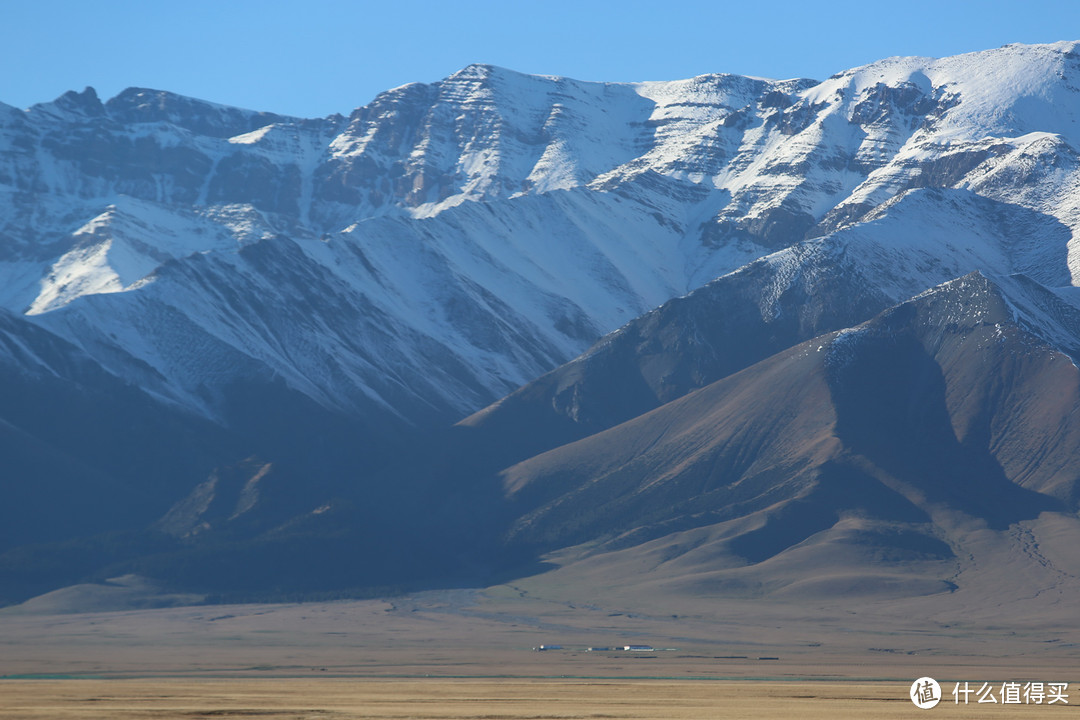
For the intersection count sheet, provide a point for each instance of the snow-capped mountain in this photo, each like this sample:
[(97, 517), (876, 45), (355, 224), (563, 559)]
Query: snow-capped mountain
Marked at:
[(316, 291), (449, 242)]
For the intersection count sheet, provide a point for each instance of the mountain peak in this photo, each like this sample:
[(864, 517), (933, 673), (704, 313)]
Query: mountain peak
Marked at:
[(85, 104), (145, 105), (474, 71), (486, 73)]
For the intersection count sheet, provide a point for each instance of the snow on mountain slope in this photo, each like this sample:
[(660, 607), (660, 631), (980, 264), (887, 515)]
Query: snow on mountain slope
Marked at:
[(452, 240), (123, 245), (482, 133), (426, 319), (827, 155)]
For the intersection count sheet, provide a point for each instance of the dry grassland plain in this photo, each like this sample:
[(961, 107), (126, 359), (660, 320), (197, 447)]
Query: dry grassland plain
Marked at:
[(469, 654), (473, 700)]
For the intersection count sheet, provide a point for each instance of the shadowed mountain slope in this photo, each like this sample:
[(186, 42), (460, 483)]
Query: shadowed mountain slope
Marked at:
[(897, 436)]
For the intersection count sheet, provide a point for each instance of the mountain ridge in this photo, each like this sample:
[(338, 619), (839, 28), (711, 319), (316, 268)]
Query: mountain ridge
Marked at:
[(506, 123)]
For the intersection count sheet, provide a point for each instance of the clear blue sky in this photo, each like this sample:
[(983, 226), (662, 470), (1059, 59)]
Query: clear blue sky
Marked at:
[(318, 57)]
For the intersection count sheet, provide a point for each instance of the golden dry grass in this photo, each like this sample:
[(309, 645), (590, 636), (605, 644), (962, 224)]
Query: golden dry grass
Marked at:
[(334, 699)]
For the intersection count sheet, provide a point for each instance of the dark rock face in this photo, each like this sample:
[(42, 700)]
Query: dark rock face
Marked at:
[(244, 178)]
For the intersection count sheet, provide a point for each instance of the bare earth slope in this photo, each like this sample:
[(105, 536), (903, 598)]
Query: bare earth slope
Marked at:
[(896, 458)]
